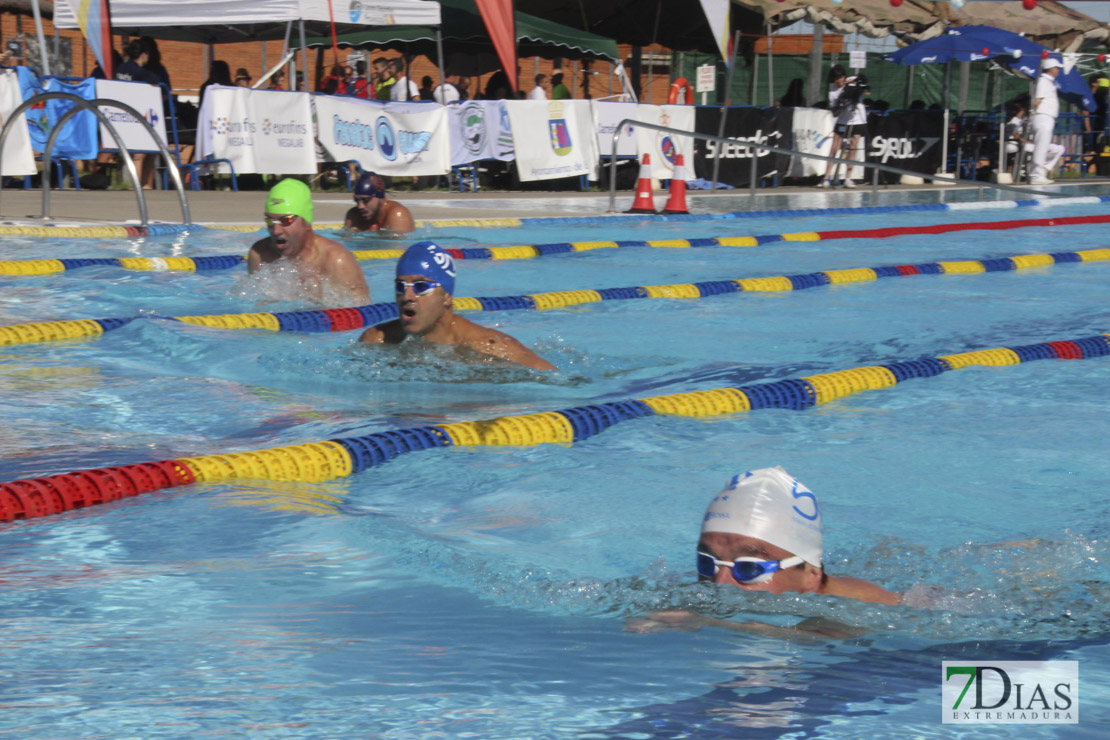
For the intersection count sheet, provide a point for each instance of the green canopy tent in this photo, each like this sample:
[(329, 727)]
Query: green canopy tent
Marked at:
[(468, 44)]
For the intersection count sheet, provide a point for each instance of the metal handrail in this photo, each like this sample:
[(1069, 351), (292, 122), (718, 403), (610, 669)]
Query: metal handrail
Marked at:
[(93, 105), (875, 166)]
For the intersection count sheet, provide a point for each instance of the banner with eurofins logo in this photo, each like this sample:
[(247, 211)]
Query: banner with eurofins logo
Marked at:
[(391, 139), (146, 99), (553, 138), (267, 132), (479, 130)]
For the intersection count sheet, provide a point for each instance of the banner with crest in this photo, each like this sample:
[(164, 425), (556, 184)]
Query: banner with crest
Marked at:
[(479, 130), (553, 138)]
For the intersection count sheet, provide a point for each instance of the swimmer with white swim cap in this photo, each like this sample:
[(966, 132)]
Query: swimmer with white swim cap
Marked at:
[(763, 533), (424, 286)]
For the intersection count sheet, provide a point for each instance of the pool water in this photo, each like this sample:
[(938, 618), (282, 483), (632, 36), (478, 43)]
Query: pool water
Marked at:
[(484, 592)]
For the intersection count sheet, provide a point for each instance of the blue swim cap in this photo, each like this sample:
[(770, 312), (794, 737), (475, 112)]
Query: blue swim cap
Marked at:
[(370, 185), (429, 260)]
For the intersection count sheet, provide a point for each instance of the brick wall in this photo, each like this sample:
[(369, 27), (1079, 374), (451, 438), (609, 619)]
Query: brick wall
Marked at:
[(186, 62)]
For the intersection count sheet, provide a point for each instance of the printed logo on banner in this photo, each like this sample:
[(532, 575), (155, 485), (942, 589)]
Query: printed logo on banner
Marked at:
[(560, 132), (742, 149), (151, 117), (239, 133), (289, 135), (665, 144), (474, 129), (505, 145), (220, 125), (356, 11), (386, 137), (890, 147), (352, 133)]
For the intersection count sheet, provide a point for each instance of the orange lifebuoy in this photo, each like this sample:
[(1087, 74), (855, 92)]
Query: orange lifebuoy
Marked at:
[(678, 85)]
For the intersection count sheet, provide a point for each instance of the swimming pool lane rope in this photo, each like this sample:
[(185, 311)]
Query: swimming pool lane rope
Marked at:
[(315, 462), (59, 230), (223, 262), (347, 319)]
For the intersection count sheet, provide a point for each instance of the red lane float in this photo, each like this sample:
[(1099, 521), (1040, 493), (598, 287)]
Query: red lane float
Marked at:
[(949, 228)]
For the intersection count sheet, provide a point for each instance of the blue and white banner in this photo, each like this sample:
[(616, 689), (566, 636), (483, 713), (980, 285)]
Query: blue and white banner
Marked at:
[(263, 131), (608, 114), (479, 130), (391, 139), (18, 157), (663, 146), (77, 140), (553, 138), (147, 99), (812, 134)]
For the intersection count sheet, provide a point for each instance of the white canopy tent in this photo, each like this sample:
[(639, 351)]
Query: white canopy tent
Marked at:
[(230, 21)]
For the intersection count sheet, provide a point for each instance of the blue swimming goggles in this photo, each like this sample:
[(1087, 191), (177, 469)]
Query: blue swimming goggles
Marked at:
[(745, 570), (419, 287)]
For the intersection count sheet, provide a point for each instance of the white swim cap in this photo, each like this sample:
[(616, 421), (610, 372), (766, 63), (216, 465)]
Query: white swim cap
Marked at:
[(770, 505)]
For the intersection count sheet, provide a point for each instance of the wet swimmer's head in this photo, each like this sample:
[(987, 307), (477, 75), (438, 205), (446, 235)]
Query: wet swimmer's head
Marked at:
[(762, 532), (369, 194), (424, 286), (289, 212)]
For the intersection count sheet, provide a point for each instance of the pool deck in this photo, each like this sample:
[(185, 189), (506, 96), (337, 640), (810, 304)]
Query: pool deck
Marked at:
[(25, 207)]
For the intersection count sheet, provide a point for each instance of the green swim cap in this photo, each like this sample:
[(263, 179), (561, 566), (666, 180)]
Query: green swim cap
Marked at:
[(290, 196)]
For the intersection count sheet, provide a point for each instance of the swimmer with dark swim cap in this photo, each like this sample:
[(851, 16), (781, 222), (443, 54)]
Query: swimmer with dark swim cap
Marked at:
[(763, 533), (320, 262), (373, 211), (425, 285)]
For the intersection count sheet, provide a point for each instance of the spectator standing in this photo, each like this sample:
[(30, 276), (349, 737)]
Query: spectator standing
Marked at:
[(542, 88), (559, 91), (274, 83), (404, 88), (426, 88), (383, 79), (333, 84), (218, 74), (360, 86), (242, 77), (449, 91), (134, 70), (1046, 106)]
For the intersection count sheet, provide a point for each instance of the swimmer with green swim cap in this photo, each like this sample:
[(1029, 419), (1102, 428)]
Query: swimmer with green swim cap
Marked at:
[(324, 267), (763, 533), (425, 287)]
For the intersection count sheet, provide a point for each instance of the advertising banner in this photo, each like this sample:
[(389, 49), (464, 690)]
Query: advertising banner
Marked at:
[(553, 138), (479, 129), (608, 114), (18, 157), (387, 138), (147, 99), (664, 147), (262, 131), (813, 130), (748, 127), (907, 139)]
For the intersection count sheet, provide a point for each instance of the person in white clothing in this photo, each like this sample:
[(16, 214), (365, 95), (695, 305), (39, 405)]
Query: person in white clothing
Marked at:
[(1046, 106), (404, 88), (846, 102), (542, 88), (1015, 136), (450, 90)]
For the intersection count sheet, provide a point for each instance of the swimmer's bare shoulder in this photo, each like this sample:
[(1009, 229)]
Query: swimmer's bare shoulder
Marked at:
[(398, 218), (387, 333), (499, 344), (261, 252), (688, 621)]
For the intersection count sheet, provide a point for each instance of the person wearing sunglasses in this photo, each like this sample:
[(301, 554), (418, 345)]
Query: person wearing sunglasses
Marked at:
[(373, 211), (326, 269), (424, 287), (763, 533)]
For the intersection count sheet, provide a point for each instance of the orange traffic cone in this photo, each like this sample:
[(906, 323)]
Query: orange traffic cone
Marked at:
[(645, 202), (677, 202)]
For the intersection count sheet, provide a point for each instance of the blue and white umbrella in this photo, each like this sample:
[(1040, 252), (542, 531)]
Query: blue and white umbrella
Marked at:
[(976, 43)]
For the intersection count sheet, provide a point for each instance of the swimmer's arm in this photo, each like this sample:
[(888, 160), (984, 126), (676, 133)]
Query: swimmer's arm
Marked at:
[(860, 589), (813, 627), (353, 220), (254, 257), (399, 220), (501, 345), (346, 271)]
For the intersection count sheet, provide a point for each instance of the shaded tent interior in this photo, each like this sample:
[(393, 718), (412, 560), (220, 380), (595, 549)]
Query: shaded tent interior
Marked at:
[(466, 44)]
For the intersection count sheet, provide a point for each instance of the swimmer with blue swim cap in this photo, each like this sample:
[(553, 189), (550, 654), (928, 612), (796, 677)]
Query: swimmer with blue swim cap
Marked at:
[(374, 211), (425, 286), (763, 533), (320, 263)]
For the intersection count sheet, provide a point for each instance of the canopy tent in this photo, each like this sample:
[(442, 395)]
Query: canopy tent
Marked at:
[(465, 35), (975, 43), (230, 21)]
